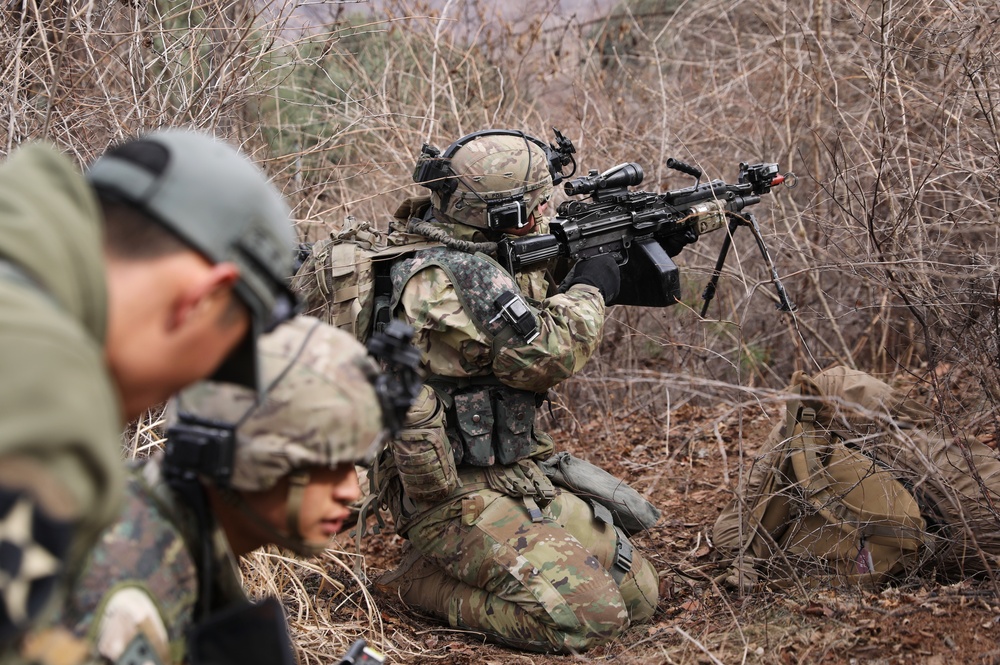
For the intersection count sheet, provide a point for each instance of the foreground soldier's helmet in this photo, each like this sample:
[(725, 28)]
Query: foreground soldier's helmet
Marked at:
[(222, 206), (488, 180), (320, 407)]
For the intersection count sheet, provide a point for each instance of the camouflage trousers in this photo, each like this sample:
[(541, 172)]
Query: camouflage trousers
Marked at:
[(539, 586), (956, 481)]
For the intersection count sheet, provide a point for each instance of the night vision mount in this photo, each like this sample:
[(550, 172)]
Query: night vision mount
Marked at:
[(433, 171)]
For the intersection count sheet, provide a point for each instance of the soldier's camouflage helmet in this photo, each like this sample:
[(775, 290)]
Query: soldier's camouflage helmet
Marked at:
[(319, 409), (494, 168)]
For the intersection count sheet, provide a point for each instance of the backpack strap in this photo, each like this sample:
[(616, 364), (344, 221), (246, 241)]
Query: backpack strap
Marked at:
[(781, 456), (808, 447), (758, 528), (479, 281), (344, 256)]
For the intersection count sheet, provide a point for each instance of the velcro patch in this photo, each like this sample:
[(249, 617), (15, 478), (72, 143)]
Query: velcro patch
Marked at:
[(33, 546)]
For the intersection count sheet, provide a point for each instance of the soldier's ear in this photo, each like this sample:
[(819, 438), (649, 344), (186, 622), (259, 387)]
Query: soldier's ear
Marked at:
[(209, 292)]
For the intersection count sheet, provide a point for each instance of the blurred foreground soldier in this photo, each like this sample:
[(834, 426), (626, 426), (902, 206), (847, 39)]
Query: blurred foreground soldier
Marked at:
[(496, 546), (888, 493), (116, 290), (162, 585)]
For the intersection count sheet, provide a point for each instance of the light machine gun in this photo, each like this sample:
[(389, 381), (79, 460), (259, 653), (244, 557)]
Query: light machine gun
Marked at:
[(644, 230)]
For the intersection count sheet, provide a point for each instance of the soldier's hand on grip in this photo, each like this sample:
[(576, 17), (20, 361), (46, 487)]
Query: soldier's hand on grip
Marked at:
[(601, 271)]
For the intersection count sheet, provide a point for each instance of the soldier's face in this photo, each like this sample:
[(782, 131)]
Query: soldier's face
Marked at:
[(171, 321), (324, 508), (326, 501)]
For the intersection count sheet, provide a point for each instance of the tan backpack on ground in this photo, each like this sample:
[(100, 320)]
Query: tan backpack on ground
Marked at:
[(345, 279), (828, 514)]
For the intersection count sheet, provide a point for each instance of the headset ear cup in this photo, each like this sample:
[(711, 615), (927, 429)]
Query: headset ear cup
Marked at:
[(444, 171), (448, 182)]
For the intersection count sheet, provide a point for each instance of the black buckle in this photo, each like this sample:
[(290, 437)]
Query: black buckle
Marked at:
[(514, 310)]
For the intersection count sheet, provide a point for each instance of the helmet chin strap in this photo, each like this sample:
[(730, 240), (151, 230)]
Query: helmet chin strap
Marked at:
[(297, 481), (294, 541)]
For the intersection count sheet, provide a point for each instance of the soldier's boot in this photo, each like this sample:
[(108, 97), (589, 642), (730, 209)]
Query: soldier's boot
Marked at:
[(423, 585), (419, 583)]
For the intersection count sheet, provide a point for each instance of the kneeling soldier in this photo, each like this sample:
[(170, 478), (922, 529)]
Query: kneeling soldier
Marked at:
[(496, 546)]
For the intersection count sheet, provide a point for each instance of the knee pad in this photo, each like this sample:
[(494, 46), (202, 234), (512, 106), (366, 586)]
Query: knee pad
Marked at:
[(640, 590)]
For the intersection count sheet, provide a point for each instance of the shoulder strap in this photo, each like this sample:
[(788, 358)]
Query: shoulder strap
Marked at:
[(479, 281), (811, 473)]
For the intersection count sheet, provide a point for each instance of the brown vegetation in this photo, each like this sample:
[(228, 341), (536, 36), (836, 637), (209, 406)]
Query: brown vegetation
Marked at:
[(886, 111)]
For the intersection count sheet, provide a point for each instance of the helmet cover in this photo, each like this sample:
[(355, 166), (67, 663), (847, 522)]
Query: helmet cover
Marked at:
[(492, 169), (319, 408)]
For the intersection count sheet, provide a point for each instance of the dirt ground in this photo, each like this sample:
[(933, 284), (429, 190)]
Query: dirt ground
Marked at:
[(697, 621)]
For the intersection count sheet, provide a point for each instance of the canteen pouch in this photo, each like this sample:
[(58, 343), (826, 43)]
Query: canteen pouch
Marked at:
[(629, 510)]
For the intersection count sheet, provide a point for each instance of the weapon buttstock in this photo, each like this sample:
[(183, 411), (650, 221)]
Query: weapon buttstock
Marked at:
[(650, 277)]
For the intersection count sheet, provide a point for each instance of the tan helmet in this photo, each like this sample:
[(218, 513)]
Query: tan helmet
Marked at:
[(320, 407), (499, 180)]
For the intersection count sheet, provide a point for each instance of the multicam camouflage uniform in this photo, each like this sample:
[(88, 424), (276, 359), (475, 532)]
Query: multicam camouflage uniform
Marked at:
[(139, 589), (503, 552), (955, 480)]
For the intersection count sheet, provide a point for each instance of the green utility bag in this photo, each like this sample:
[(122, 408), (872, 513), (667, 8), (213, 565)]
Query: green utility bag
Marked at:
[(628, 509)]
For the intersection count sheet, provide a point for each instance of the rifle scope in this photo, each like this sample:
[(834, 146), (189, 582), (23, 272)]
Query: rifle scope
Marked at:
[(617, 177)]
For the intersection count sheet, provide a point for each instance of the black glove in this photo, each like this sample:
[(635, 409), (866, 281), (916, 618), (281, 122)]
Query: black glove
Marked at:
[(601, 271), (674, 244)]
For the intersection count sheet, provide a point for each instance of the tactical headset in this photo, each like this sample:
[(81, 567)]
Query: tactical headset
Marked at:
[(198, 446), (433, 171)]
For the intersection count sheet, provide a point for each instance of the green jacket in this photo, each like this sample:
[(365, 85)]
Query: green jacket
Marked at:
[(60, 414)]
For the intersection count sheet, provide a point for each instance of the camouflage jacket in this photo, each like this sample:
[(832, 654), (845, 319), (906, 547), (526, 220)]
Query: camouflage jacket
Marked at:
[(453, 345), (140, 583), (449, 448)]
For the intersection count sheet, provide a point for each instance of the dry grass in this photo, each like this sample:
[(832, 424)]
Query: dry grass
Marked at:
[(886, 111)]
